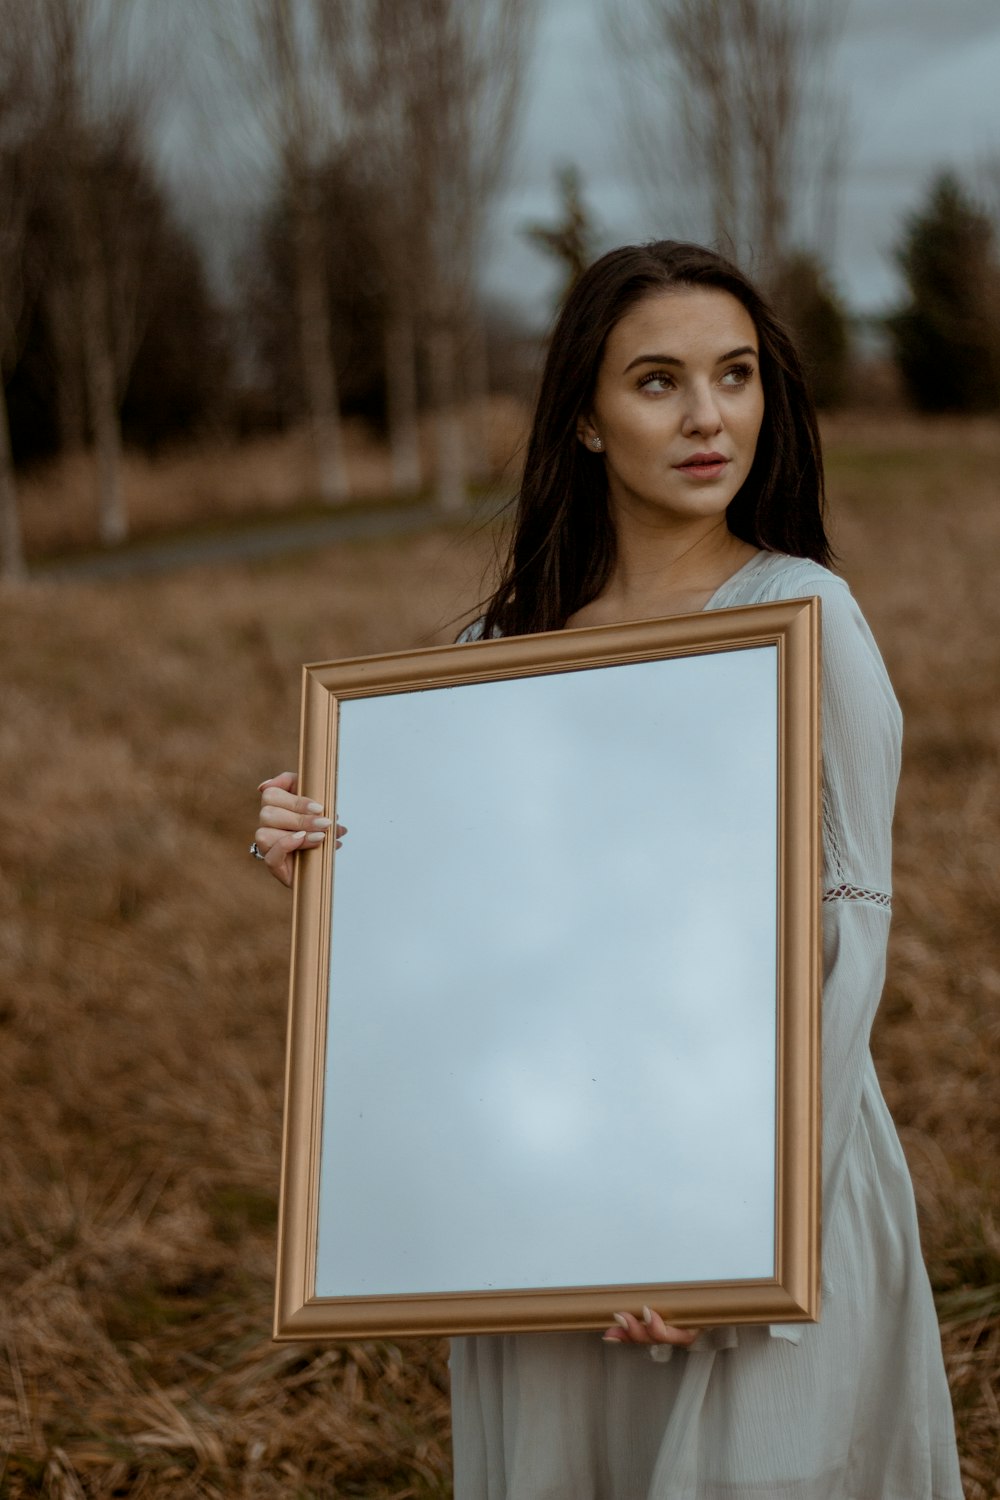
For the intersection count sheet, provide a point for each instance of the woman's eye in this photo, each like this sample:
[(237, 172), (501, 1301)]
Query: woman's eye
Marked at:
[(657, 380), (738, 375)]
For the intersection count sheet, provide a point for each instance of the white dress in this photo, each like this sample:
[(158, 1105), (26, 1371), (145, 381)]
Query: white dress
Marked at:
[(855, 1407)]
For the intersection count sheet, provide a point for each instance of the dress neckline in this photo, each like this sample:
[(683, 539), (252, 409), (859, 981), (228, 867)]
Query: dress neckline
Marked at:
[(747, 567)]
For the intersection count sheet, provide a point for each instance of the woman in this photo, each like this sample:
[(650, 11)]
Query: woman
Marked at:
[(674, 466)]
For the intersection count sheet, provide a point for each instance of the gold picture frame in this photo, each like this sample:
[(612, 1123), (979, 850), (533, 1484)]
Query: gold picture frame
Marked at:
[(780, 640)]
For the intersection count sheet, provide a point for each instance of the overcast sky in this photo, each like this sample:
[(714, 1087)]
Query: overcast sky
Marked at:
[(919, 79)]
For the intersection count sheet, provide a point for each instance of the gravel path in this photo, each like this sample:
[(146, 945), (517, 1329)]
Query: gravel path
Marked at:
[(249, 544)]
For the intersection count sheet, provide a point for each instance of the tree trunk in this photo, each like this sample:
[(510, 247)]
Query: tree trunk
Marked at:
[(318, 375), (99, 372), (477, 392), (724, 214), (112, 517), (709, 64), (401, 402), (64, 331), (450, 493), (12, 565), (773, 216), (773, 52)]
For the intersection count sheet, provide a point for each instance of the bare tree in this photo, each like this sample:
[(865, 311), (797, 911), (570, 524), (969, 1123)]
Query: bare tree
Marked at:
[(18, 120), (97, 109), (61, 309), (374, 50), (738, 93), (276, 57), (570, 239), (434, 86), (72, 147), (780, 45), (472, 66)]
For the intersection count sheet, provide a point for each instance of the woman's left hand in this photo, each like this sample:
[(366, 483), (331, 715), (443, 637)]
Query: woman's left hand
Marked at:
[(651, 1329)]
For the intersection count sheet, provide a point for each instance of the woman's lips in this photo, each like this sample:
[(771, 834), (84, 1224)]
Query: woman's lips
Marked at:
[(703, 465)]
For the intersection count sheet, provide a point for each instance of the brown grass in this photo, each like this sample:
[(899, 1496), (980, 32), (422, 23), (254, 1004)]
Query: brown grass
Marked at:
[(142, 982)]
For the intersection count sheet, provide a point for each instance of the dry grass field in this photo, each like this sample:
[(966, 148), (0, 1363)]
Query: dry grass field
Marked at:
[(142, 990)]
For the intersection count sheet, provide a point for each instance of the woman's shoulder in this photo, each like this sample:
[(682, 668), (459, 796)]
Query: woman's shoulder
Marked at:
[(779, 576), (852, 662), (775, 576), (783, 577)]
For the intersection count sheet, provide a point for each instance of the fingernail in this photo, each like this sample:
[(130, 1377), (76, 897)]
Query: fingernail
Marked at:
[(315, 838), (264, 783), (609, 1338), (647, 1316), (323, 822), (315, 807), (622, 1321), (297, 836)]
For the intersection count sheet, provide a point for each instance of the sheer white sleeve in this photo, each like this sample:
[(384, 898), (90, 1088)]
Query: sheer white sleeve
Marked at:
[(862, 731)]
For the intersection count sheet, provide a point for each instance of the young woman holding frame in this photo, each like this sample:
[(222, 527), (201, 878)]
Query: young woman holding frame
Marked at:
[(674, 466)]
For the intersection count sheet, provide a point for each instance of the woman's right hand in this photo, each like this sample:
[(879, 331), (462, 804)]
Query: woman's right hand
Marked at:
[(288, 823)]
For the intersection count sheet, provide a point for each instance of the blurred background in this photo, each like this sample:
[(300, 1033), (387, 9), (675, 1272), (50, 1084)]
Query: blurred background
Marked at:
[(275, 281)]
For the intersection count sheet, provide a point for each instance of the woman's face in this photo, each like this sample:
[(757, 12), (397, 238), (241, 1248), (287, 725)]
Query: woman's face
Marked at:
[(678, 405)]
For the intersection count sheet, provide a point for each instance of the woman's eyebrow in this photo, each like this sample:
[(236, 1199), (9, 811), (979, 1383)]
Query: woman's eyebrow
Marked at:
[(671, 359)]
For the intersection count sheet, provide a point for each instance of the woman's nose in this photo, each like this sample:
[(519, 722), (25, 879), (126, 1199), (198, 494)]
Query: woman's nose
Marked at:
[(702, 413)]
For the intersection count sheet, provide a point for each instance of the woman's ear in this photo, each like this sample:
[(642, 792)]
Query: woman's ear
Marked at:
[(588, 435)]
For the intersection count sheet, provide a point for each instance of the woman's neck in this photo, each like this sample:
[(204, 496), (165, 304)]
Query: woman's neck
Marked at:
[(666, 571)]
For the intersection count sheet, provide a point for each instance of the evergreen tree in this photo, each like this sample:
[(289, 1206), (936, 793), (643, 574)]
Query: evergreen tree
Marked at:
[(169, 338), (571, 240), (946, 339), (353, 292), (811, 308)]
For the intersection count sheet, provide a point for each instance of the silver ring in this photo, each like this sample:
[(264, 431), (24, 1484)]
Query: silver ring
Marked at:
[(255, 851)]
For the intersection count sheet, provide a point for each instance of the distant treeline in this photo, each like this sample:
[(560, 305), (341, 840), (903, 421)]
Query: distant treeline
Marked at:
[(381, 132), (171, 341), (384, 134), (191, 358)]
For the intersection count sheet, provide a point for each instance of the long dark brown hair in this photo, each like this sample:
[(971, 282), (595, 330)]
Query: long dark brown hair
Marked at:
[(562, 549)]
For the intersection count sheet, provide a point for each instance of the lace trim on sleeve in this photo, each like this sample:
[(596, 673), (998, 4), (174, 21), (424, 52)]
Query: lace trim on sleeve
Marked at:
[(859, 893)]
